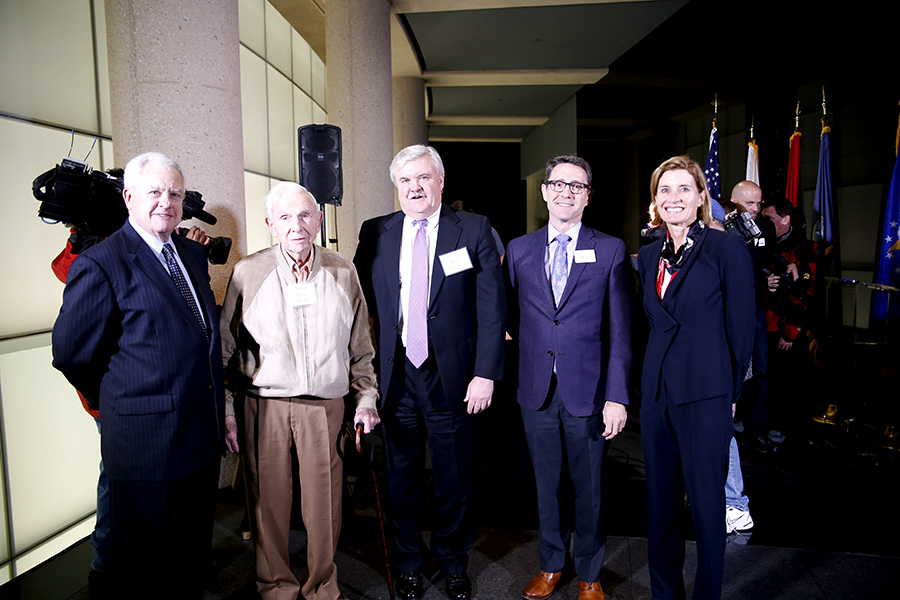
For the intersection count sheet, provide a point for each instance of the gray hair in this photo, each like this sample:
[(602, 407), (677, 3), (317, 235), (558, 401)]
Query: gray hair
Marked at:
[(136, 165), (282, 189), (411, 153)]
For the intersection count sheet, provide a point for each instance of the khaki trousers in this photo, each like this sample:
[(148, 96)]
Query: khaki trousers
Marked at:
[(270, 427)]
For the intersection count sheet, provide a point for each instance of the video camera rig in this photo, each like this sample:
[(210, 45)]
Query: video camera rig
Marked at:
[(91, 202)]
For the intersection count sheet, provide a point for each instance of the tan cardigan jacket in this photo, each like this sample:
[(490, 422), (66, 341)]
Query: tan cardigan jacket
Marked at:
[(322, 350)]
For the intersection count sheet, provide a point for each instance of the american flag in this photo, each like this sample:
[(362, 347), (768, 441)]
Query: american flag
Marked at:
[(712, 166)]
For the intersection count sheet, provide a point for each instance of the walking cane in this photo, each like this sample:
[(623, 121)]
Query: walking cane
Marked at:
[(387, 560)]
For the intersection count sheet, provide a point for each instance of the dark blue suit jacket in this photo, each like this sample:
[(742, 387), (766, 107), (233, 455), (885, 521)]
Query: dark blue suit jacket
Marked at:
[(589, 335), (466, 312), (125, 337), (701, 333)]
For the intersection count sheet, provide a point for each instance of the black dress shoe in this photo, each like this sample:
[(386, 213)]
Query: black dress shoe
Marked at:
[(459, 586), (409, 586)]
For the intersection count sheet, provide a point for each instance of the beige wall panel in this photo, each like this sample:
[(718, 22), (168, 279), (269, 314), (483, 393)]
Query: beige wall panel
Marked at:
[(319, 81), (27, 151), (278, 40), (254, 112), (47, 65), (255, 189), (302, 63), (252, 23), (52, 444), (281, 125)]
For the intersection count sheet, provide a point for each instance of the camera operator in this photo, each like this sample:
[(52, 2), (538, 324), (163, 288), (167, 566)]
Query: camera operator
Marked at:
[(791, 280), (759, 234)]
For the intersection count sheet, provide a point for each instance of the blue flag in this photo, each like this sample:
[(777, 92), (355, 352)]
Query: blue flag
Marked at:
[(823, 208), (712, 166), (888, 272)]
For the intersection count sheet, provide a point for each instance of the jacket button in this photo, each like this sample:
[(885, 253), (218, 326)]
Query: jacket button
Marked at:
[(549, 352), (555, 322), (390, 360)]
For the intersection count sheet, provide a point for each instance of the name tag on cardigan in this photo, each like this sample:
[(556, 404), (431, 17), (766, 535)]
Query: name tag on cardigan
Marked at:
[(301, 294), (456, 261)]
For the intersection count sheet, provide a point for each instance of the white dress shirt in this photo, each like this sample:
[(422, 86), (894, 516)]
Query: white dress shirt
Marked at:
[(406, 244)]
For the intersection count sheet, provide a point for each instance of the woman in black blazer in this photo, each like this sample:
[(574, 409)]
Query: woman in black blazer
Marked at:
[(698, 298)]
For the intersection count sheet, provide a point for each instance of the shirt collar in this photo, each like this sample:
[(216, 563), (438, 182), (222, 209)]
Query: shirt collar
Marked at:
[(154, 242), (433, 219), (572, 232), (296, 267)]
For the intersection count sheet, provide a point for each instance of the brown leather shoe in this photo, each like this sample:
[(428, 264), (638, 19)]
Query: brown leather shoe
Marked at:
[(589, 591), (541, 586)]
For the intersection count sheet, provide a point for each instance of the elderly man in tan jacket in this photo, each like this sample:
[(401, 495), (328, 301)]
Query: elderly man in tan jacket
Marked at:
[(296, 339)]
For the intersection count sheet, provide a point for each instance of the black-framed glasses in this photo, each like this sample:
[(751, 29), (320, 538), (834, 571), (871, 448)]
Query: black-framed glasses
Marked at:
[(576, 187)]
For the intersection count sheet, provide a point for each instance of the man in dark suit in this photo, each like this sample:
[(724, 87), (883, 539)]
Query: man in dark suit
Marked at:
[(431, 277), (570, 316), (137, 334)]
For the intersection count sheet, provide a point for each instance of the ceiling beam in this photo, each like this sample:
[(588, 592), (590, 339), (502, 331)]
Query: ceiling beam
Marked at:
[(444, 138), (423, 6), (480, 120), (520, 77)]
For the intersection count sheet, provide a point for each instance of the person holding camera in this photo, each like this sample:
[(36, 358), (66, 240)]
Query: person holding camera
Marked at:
[(790, 284), (759, 235)]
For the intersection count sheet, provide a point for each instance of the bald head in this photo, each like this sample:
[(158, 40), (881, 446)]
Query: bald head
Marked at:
[(747, 197)]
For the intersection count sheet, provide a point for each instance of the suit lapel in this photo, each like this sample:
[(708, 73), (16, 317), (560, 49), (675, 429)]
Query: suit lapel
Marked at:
[(447, 241), (390, 238), (685, 269), (586, 241), (540, 271), (665, 319), (143, 259)]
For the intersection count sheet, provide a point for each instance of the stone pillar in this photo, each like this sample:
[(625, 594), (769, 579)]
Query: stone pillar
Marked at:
[(358, 55), (410, 126), (175, 88)]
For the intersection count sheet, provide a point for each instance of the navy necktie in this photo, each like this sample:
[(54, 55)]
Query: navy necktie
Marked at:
[(181, 284)]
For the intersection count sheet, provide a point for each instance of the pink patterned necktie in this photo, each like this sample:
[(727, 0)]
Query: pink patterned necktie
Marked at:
[(416, 319), (181, 284), (559, 270)]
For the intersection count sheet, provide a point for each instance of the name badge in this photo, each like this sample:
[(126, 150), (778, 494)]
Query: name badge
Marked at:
[(585, 256), (456, 261), (301, 294)]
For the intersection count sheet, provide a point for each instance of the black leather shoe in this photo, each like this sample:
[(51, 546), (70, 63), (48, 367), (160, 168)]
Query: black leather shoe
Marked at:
[(409, 586), (459, 586)]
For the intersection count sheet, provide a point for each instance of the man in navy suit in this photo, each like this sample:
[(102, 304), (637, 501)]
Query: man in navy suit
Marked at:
[(570, 314), (137, 334), (432, 281)]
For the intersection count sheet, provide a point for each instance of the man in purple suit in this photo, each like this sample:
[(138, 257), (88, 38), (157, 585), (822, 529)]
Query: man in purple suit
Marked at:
[(570, 314)]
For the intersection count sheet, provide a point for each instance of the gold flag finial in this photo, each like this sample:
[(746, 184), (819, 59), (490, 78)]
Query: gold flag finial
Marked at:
[(797, 117), (752, 119), (715, 104)]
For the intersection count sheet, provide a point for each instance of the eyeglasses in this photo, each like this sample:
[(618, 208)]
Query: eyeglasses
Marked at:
[(576, 187)]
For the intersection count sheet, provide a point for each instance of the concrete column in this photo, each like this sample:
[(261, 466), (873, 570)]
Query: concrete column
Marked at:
[(410, 126), (358, 55), (175, 88)]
